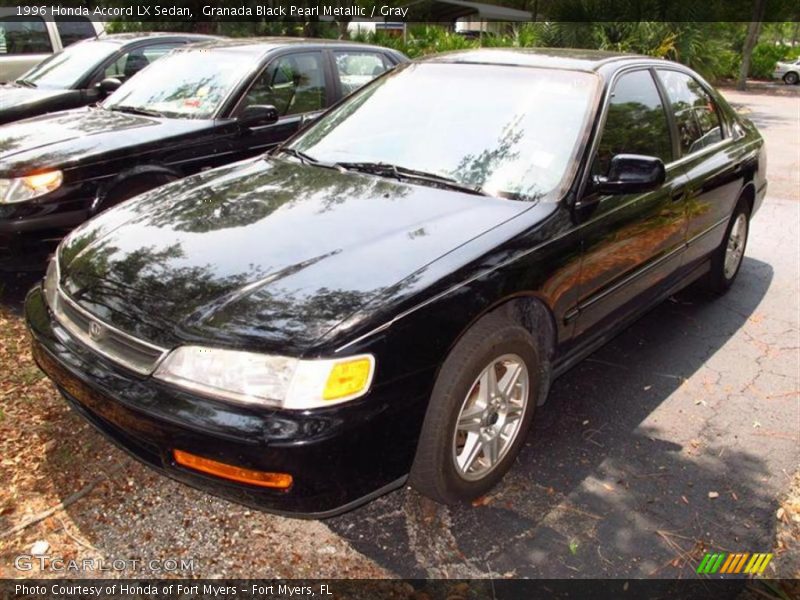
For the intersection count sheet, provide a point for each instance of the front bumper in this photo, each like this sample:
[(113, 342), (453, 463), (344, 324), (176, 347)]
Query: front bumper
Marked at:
[(30, 231), (339, 457)]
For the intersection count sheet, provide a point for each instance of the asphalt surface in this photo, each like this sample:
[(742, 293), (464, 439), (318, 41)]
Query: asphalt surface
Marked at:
[(676, 438)]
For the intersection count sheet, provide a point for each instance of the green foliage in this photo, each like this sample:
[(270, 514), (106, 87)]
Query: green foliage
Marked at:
[(711, 48), (766, 54)]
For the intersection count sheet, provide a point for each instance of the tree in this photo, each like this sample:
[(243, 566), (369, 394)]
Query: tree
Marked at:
[(750, 41)]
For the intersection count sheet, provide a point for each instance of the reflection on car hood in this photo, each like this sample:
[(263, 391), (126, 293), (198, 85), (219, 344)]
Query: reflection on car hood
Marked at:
[(68, 136), (268, 254), (11, 95)]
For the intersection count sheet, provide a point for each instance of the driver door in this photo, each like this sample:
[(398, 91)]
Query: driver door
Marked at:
[(632, 243), (296, 84)]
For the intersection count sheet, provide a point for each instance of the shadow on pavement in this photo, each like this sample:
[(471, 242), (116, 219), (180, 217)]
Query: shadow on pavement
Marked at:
[(602, 488)]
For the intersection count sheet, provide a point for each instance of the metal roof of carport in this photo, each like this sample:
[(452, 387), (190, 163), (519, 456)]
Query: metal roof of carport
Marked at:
[(451, 10)]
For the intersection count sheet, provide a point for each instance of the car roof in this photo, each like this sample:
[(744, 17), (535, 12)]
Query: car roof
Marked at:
[(557, 58), (136, 36), (260, 45)]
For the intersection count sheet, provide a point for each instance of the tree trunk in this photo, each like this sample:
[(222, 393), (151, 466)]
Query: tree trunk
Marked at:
[(750, 42)]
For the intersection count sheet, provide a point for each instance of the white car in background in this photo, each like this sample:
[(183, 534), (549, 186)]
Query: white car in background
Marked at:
[(789, 71), (27, 41)]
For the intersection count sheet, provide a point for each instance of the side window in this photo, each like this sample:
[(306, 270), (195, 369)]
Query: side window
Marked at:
[(696, 114), (636, 122), (130, 63), (23, 35), (74, 30), (356, 69), (293, 84)]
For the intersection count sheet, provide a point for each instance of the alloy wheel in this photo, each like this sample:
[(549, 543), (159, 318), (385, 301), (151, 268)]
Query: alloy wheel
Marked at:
[(734, 251), (490, 417)]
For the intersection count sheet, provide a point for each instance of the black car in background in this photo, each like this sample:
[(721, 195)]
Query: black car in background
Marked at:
[(390, 294), (199, 107), (85, 72)]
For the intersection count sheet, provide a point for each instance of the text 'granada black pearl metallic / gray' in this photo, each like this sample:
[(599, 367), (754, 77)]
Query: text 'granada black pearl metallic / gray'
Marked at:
[(387, 296)]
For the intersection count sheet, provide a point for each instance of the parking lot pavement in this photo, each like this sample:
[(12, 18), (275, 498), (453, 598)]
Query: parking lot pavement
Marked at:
[(677, 437)]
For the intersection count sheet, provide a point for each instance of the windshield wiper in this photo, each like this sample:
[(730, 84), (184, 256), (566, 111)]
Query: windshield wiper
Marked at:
[(25, 83), (135, 110), (301, 156), (400, 173), (304, 158)]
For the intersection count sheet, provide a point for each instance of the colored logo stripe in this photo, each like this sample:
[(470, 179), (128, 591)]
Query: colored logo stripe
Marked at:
[(724, 563)]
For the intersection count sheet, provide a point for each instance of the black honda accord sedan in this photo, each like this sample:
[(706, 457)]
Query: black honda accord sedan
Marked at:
[(388, 295), (85, 72), (201, 106)]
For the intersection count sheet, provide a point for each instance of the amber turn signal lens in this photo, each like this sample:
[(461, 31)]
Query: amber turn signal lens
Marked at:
[(348, 378), (281, 481), (44, 182)]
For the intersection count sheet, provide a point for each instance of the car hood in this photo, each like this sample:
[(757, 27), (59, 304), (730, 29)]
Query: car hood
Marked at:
[(20, 102), (63, 138), (12, 95), (268, 255)]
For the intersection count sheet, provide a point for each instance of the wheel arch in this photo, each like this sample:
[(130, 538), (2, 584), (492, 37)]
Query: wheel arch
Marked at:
[(532, 312), (748, 193), (107, 191)]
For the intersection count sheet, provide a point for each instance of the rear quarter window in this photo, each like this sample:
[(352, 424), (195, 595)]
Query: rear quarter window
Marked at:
[(74, 30), (23, 35)]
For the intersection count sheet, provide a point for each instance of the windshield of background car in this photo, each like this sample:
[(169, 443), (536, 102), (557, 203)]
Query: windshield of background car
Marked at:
[(510, 131), (67, 68), (185, 84)]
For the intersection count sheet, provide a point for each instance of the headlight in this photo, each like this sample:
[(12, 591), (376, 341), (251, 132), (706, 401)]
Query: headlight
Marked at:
[(21, 189), (51, 282), (265, 380)]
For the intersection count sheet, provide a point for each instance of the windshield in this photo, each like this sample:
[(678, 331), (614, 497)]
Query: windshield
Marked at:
[(185, 84), (507, 131), (67, 68)]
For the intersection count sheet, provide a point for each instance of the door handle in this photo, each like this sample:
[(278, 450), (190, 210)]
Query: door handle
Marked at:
[(677, 194)]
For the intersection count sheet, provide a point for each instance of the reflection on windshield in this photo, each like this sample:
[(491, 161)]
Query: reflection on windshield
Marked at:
[(67, 68), (508, 131), (186, 84)]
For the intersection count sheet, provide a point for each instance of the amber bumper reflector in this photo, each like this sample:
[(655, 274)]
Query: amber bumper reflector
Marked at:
[(281, 481)]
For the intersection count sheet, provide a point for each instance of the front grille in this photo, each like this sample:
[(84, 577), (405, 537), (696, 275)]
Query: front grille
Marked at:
[(106, 340)]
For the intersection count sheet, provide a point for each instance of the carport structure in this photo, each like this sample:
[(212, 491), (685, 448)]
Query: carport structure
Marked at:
[(450, 11)]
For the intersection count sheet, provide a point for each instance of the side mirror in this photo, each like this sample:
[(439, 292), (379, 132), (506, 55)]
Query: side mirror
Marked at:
[(109, 85), (631, 174), (258, 114)]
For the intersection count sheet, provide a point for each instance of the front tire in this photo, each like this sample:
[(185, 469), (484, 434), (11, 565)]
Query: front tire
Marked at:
[(727, 259), (480, 411), (791, 78)]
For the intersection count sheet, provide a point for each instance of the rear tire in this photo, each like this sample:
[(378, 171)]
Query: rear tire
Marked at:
[(479, 413), (791, 78), (727, 259)]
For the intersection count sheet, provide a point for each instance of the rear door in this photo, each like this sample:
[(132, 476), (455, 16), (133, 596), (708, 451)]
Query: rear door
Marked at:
[(632, 244), (354, 68), (713, 164)]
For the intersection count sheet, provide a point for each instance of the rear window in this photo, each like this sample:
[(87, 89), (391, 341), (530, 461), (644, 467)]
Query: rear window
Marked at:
[(23, 35), (74, 30)]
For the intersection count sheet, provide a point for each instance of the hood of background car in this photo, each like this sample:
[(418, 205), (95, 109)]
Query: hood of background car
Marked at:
[(67, 137), (12, 95), (269, 255)]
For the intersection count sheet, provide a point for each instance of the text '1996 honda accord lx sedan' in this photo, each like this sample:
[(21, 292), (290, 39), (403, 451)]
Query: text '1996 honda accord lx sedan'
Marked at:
[(388, 296)]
